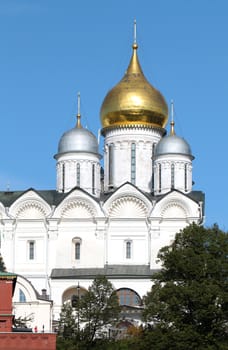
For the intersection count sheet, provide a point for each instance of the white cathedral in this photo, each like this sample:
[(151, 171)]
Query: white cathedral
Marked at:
[(110, 221)]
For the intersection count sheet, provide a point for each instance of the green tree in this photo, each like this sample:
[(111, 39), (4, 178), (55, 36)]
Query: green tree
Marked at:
[(187, 307), (67, 322), (99, 308), (92, 313), (2, 265)]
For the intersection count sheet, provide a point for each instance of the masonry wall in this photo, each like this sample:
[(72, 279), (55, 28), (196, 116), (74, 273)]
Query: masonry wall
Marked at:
[(27, 341)]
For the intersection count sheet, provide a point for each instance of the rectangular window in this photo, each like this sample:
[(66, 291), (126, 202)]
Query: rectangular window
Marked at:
[(31, 250)]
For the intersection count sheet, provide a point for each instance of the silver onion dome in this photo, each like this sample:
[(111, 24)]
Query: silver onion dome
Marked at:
[(78, 139), (173, 144)]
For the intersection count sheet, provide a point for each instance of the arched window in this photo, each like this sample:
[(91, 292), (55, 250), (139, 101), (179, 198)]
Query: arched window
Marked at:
[(22, 298), (128, 249), (128, 297), (133, 163), (77, 250)]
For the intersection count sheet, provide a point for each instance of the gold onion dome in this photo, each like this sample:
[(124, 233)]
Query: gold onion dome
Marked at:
[(134, 101)]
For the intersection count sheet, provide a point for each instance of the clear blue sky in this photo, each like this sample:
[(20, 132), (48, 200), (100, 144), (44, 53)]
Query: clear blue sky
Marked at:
[(51, 49)]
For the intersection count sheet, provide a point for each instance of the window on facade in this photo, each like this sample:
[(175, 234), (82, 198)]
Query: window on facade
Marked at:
[(93, 178), (172, 175), (110, 164), (77, 250), (133, 163), (78, 175), (128, 297), (185, 177), (128, 249), (31, 248), (63, 177), (159, 177), (22, 298), (152, 163)]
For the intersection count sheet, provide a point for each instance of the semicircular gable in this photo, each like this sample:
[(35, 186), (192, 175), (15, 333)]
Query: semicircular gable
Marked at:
[(30, 209), (77, 208), (174, 210), (128, 207)]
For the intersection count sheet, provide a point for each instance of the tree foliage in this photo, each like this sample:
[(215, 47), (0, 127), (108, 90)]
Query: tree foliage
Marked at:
[(67, 322), (188, 303), (2, 265), (96, 309), (99, 307)]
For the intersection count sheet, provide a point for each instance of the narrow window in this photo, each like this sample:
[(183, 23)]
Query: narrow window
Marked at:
[(78, 174), (110, 164), (159, 177), (93, 179), (152, 163), (185, 177), (22, 298), (31, 250), (63, 177), (172, 175), (133, 163), (77, 251), (128, 249)]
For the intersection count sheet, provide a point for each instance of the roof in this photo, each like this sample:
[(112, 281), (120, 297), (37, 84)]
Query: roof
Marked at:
[(53, 197), (110, 271)]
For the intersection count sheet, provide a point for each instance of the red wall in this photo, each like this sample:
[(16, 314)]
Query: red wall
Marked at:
[(6, 290), (27, 341)]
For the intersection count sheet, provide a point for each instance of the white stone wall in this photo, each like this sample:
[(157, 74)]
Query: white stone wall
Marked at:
[(103, 229)]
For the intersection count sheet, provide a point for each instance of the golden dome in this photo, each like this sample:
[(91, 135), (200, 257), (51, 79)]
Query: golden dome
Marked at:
[(134, 101)]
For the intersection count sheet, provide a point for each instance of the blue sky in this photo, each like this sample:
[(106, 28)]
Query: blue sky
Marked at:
[(51, 49)]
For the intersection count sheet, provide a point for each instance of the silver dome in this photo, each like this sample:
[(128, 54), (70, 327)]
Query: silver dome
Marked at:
[(78, 140), (172, 144)]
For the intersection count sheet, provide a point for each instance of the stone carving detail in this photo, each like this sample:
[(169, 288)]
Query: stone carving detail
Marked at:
[(78, 209), (31, 209), (174, 210), (128, 207)]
